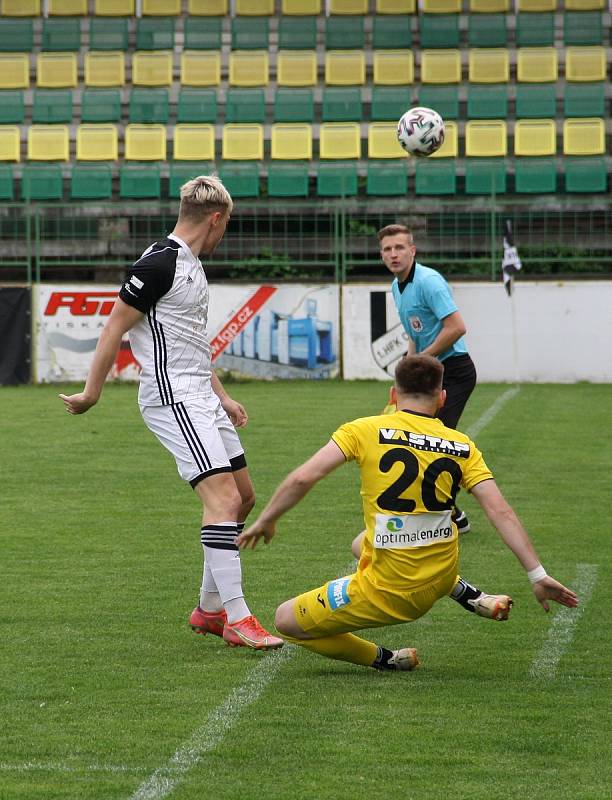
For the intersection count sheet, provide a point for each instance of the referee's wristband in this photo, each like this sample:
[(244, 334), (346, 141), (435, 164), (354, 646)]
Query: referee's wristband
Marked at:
[(537, 574)]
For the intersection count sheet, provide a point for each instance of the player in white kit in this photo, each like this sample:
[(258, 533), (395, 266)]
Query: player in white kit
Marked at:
[(164, 306)]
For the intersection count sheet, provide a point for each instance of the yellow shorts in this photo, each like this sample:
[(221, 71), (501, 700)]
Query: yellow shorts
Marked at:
[(346, 604)]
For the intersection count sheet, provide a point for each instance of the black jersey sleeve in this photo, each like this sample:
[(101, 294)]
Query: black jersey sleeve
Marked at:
[(151, 277)]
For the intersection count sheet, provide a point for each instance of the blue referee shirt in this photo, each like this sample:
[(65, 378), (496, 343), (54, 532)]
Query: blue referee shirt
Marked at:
[(423, 301)]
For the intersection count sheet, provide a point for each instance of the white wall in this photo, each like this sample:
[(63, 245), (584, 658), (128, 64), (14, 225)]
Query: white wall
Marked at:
[(557, 332)]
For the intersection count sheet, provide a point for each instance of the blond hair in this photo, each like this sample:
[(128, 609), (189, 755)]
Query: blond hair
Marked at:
[(202, 196)]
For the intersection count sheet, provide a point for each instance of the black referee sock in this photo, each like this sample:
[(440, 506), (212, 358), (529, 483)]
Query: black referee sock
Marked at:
[(463, 592)]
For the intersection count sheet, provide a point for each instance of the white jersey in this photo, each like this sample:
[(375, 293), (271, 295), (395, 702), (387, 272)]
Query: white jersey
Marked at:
[(169, 286)]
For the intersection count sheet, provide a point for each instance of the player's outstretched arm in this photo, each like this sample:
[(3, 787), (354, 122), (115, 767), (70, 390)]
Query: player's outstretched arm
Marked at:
[(515, 537), (121, 319), (295, 486)]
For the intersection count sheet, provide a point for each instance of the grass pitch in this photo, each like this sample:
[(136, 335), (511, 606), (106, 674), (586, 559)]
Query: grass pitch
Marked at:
[(102, 681)]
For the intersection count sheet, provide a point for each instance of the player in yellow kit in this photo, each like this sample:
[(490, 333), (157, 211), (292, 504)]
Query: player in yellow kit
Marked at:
[(411, 469)]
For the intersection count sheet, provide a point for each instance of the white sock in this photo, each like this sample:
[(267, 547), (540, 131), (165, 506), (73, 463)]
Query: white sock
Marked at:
[(222, 558), (210, 599)]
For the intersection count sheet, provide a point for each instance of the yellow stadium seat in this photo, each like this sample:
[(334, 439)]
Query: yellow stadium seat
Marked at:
[(585, 5), (489, 65), (301, 7), (56, 70), (97, 143), (242, 142), (382, 141), (536, 65), (14, 70), (584, 137), (161, 8), (348, 6), (486, 138), (585, 63), (395, 7), (344, 67), (194, 142), (489, 6), (536, 5), (291, 140), (10, 144), (535, 137), (296, 68), (200, 68), (249, 68), (48, 143), (393, 67), (20, 8), (152, 68), (68, 8), (115, 8), (145, 143), (255, 8), (104, 69), (208, 8), (340, 140), (441, 7), (440, 66), (450, 146)]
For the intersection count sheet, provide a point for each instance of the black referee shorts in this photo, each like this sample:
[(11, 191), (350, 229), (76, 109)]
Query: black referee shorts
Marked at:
[(459, 381)]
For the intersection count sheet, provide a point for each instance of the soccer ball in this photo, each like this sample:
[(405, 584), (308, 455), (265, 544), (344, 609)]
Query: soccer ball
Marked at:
[(420, 131)]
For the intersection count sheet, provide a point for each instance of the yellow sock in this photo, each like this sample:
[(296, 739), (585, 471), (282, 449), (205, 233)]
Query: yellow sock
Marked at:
[(342, 646)]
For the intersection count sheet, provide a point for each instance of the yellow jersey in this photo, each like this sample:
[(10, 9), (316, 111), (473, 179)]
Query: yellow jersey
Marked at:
[(411, 467)]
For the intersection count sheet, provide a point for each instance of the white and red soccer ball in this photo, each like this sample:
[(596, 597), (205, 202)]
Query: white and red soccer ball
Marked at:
[(420, 131)]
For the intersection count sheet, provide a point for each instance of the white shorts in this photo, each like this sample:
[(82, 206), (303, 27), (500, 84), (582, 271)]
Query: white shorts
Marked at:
[(199, 435)]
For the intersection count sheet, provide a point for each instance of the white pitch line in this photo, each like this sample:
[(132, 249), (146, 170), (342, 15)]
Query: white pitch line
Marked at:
[(492, 411), (563, 626)]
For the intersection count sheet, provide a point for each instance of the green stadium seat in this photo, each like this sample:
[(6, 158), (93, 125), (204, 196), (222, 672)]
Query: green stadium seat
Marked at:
[(435, 177), (139, 181), (485, 176), (293, 105), (584, 100), (585, 174), (391, 33), (203, 33), (297, 33), (582, 28), (7, 186), (181, 172), (61, 35), (250, 33), (149, 105), (108, 33), (535, 30), (245, 105), (337, 178), (12, 108), (341, 104), (443, 99), (42, 182), (52, 105), (487, 101), (344, 33), (389, 102), (387, 178), (439, 31), (91, 181), (535, 175), (197, 105), (288, 179), (155, 33), (240, 178), (536, 101), (487, 30), (101, 105), (16, 35)]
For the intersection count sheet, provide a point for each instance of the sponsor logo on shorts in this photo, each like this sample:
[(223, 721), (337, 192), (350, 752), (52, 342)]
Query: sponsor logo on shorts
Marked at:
[(412, 530), (337, 593)]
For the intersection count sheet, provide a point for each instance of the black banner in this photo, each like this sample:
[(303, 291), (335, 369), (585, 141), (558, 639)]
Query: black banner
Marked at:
[(15, 335)]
